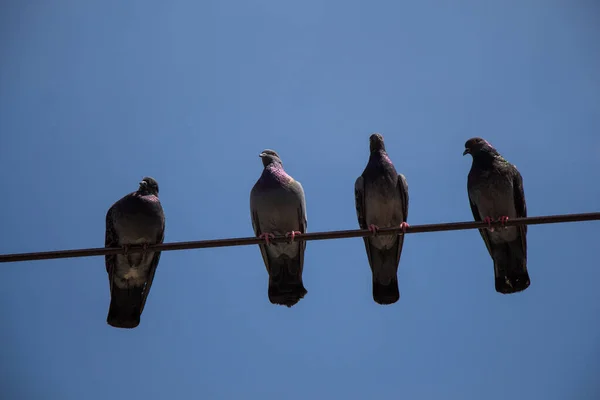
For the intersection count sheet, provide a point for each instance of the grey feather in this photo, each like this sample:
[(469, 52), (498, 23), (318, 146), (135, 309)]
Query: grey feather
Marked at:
[(495, 189), (381, 198), (278, 206), (135, 219)]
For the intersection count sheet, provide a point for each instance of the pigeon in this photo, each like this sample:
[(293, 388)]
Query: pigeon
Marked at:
[(495, 189), (381, 196), (135, 219), (278, 207)]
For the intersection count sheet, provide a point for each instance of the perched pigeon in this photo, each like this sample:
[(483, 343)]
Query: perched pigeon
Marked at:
[(277, 207), (137, 218), (495, 189), (381, 196)]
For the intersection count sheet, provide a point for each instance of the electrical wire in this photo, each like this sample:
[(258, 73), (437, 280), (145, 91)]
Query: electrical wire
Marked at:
[(203, 244)]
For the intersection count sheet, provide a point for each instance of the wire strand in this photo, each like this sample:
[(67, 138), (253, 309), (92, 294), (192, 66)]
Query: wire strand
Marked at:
[(203, 244)]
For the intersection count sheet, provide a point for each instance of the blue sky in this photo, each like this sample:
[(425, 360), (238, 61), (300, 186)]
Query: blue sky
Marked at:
[(95, 95)]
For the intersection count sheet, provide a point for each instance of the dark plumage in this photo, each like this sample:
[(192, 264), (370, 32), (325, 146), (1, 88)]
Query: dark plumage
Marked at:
[(278, 207), (136, 219), (381, 196), (495, 189)]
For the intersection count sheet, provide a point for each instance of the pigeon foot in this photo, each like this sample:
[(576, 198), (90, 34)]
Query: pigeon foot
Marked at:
[(267, 237), (291, 235), (503, 219), (403, 226), (373, 229), (488, 221)]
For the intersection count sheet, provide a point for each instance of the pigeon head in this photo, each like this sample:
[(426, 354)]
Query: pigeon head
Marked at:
[(270, 157), (148, 186), (376, 142), (477, 146)]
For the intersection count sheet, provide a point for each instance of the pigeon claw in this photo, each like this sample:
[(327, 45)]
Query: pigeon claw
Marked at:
[(267, 237), (373, 229), (403, 226), (488, 221), (145, 247), (291, 235), (125, 249), (503, 219)]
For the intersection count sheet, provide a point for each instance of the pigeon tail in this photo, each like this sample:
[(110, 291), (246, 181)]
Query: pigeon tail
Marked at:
[(510, 269), (384, 267), (386, 294), (285, 282), (125, 307)]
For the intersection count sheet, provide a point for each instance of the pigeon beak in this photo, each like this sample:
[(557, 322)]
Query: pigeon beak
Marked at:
[(143, 183), (261, 155), (467, 151)]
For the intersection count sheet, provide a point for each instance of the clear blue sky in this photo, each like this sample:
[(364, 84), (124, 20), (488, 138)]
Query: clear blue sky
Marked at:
[(94, 95)]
